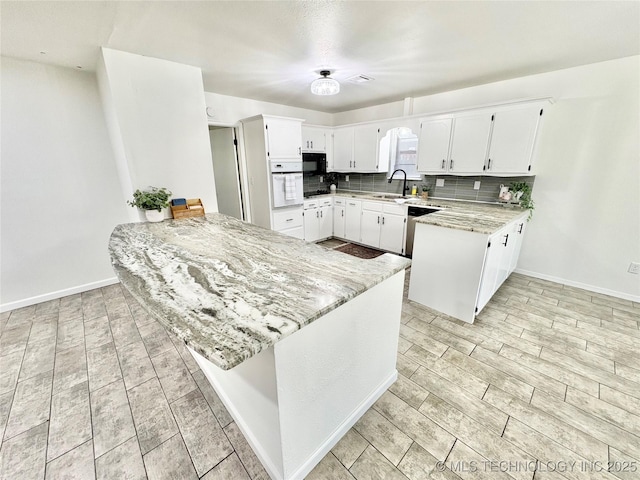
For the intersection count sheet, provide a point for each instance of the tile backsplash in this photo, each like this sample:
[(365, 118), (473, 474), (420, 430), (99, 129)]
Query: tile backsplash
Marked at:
[(455, 187)]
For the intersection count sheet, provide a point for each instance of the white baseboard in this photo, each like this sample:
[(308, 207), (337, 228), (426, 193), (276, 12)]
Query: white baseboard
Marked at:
[(584, 286), (5, 307)]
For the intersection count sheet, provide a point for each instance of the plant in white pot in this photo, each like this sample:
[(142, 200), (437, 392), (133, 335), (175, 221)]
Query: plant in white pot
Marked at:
[(152, 201)]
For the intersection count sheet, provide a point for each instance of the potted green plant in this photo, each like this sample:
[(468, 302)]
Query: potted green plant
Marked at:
[(152, 201), (522, 193), (426, 188)]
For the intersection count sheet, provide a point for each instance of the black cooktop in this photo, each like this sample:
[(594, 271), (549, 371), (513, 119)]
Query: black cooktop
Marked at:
[(313, 193)]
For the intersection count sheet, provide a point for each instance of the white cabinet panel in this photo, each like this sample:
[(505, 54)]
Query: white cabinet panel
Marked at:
[(365, 148), (392, 233), (311, 224), (433, 147), (314, 139), (518, 236), (469, 145), (287, 218), (284, 138), (370, 228), (512, 140), (343, 149), (325, 224), (339, 221), (352, 223)]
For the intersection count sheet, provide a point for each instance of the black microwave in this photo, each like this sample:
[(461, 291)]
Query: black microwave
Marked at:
[(314, 164)]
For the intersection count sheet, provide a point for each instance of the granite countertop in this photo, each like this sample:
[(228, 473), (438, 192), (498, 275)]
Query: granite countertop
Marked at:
[(230, 289), (486, 218)]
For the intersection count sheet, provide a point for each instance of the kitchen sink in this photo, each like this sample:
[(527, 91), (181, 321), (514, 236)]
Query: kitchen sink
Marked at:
[(393, 197)]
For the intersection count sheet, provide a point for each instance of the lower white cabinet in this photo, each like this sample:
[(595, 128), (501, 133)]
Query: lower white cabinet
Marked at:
[(288, 221), (353, 214), (383, 226), (339, 217), (318, 219), (456, 272)]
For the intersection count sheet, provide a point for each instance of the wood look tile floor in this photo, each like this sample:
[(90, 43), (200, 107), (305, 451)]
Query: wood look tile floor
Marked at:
[(548, 377)]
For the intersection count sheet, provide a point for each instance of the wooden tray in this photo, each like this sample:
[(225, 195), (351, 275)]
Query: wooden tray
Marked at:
[(193, 208)]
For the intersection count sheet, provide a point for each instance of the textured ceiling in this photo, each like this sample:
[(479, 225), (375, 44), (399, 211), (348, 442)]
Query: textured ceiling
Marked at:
[(272, 51)]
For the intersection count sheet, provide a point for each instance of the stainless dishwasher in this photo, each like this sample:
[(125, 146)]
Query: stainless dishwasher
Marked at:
[(414, 212)]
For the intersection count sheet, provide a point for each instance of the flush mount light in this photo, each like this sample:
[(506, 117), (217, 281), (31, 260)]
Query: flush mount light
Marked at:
[(325, 85)]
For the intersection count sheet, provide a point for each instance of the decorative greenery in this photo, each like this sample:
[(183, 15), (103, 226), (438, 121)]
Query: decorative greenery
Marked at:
[(525, 200), (153, 198), (425, 187)]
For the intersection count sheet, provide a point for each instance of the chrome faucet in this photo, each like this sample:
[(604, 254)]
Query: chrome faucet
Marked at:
[(405, 189)]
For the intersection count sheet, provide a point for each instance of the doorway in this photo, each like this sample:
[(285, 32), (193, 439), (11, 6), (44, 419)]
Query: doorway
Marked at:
[(226, 171)]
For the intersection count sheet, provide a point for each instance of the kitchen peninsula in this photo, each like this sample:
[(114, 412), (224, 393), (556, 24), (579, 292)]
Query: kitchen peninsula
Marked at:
[(297, 340)]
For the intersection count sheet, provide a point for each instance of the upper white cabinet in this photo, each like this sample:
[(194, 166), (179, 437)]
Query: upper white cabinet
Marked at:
[(491, 141), (284, 138), (343, 149), (433, 149), (469, 144), (314, 139), (355, 149), (365, 148), (512, 140), (454, 145)]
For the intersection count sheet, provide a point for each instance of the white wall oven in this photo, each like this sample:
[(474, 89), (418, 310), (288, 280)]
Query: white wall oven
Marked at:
[(286, 184)]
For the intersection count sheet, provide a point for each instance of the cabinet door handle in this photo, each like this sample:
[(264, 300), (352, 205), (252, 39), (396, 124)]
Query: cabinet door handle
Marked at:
[(451, 164), (443, 164), (489, 166), (506, 239), (354, 164), (299, 150), (311, 143), (520, 229), (317, 215), (321, 214), (383, 220), (343, 213), (378, 218), (289, 220)]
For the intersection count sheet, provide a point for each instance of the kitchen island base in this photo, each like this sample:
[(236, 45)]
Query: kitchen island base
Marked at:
[(295, 400)]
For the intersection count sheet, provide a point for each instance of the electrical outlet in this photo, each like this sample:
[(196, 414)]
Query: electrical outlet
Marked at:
[(634, 268), (476, 185), (321, 179), (346, 178), (439, 182)]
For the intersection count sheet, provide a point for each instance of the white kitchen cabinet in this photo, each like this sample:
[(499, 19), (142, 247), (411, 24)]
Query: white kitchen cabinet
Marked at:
[(343, 149), (370, 228), (512, 139), (383, 226), (289, 221), (469, 144), (318, 219), (353, 214), (268, 139), (355, 149), (456, 272), (365, 148), (392, 233), (314, 139), (284, 138), (339, 210), (433, 146), (518, 236)]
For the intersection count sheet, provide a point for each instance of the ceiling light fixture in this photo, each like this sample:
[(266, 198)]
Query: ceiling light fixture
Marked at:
[(325, 85)]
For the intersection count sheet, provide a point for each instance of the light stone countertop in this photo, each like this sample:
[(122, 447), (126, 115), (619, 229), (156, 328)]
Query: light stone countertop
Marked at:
[(486, 218), (230, 289)]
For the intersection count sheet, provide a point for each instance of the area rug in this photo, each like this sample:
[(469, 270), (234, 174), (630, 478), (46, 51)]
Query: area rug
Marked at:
[(359, 251)]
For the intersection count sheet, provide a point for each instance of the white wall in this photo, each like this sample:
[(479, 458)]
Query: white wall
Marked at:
[(156, 116), (586, 225), (60, 194), (228, 110)]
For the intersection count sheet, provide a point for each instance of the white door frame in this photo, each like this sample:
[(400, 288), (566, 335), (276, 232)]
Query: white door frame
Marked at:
[(242, 165)]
